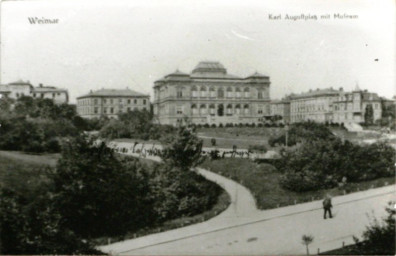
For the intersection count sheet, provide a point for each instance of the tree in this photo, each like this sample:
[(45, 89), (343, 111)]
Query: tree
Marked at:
[(369, 115), (379, 237), (96, 193), (183, 150), (306, 240), (29, 224)]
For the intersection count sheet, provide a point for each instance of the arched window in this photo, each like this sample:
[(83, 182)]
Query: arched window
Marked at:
[(194, 91), (246, 108), (238, 92), (212, 92), (203, 91), (260, 94), (194, 109), (246, 92), (203, 109), (212, 109), (237, 109), (229, 109), (220, 93), (179, 93), (230, 93)]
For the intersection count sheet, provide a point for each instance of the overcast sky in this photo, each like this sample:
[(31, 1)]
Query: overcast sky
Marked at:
[(119, 44)]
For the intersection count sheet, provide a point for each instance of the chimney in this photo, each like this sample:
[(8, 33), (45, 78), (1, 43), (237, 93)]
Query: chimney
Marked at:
[(40, 85), (341, 89)]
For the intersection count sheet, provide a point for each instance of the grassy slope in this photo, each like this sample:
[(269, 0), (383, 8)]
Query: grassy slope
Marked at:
[(24, 173), (263, 181)]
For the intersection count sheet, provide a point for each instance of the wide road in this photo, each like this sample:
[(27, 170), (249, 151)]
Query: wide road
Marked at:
[(279, 231)]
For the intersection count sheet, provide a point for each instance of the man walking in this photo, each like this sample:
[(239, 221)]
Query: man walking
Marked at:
[(327, 206)]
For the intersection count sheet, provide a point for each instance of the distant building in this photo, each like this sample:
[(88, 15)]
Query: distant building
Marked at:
[(111, 102), (350, 107), (209, 95), (59, 96), (315, 105), (281, 108), (20, 88)]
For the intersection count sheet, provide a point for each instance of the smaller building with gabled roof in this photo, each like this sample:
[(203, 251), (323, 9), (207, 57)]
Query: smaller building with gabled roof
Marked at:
[(111, 102), (20, 88)]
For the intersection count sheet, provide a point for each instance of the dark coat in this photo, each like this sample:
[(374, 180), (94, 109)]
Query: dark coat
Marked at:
[(327, 203)]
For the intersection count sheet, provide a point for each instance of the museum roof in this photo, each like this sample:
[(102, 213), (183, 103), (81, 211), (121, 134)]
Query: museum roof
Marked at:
[(258, 75), (207, 70), (114, 93), (209, 67)]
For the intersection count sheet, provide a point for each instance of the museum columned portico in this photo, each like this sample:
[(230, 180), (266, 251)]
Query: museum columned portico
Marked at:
[(211, 96)]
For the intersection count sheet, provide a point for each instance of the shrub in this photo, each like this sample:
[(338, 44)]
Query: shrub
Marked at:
[(324, 163), (213, 125), (206, 125), (220, 125)]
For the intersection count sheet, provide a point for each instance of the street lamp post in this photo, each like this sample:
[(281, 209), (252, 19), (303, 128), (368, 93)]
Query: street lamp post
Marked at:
[(287, 134)]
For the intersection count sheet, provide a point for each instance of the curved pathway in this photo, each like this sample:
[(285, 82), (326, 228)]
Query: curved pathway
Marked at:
[(241, 208)]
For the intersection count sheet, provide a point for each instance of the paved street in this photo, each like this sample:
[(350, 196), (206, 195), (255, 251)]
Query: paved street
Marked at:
[(242, 229), (279, 231)]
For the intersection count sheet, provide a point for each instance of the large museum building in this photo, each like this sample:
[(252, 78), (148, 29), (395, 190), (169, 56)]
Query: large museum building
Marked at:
[(209, 95)]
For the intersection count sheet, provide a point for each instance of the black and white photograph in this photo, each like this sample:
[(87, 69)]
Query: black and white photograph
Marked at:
[(197, 127)]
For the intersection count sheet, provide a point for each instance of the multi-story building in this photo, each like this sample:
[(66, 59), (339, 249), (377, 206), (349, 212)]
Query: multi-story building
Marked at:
[(20, 88), (315, 105), (209, 95), (111, 102), (350, 107), (58, 95), (281, 108)]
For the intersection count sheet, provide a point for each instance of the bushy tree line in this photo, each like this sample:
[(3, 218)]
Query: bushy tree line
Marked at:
[(36, 125), (134, 124), (318, 164), (94, 193), (299, 132)]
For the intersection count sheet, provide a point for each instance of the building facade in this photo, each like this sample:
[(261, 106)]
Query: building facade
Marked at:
[(111, 102), (281, 108), (350, 107), (315, 105), (329, 105), (209, 95), (20, 88)]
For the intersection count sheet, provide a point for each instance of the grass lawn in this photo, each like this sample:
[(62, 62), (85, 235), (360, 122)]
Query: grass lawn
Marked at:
[(263, 182), (25, 173)]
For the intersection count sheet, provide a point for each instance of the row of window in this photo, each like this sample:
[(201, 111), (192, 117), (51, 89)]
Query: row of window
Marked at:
[(220, 94), (111, 110), (111, 101), (349, 106), (41, 95)]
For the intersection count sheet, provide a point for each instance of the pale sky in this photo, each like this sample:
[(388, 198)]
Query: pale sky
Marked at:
[(119, 44)]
